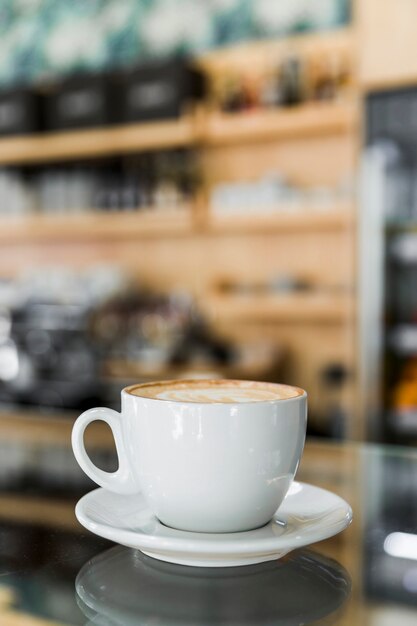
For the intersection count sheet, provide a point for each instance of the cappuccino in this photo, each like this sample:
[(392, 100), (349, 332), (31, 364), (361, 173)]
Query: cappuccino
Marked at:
[(215, 391), (208, 456)]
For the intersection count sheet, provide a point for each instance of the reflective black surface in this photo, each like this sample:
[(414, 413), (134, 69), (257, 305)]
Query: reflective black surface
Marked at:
[(121, 586), (54, 572)]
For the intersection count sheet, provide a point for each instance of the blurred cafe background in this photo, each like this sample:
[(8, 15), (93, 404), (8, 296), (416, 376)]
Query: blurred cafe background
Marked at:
[(222, 190), (202, 188), (179, 198)]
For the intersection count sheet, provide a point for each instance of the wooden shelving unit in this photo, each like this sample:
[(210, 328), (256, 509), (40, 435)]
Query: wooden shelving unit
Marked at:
[(100, 142), (301, 307), (272, 125), (39, 510), (142, 223), (37, 430), (203, 129), (313, 145), (337, 217), (96, 226)]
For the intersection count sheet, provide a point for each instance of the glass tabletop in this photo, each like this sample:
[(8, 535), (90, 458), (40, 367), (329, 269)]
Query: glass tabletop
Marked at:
[(52, 571)]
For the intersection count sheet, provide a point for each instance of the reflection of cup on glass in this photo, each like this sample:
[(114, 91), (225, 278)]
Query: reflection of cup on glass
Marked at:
[(124, 587)]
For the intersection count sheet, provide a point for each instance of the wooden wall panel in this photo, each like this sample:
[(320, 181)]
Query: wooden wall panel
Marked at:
[(387, 42)]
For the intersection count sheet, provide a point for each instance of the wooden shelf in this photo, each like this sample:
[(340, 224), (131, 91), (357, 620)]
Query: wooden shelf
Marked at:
[(302, 121), (31, 427), (149, 223), (95, 226), (38, 510), (284, 220), (300, 307), (211, 129), (99, 142)]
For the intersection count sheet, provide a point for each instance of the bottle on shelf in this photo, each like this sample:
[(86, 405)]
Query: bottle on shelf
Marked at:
[(294, 79)]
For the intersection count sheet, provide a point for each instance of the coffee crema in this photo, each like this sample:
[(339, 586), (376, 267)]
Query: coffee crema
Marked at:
[(215, 391)]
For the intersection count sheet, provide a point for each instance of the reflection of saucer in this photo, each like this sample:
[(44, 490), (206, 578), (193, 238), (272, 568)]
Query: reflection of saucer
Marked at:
[(308, 514), (123, 587)]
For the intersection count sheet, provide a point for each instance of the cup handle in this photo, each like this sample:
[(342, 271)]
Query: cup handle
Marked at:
[(122, 480)]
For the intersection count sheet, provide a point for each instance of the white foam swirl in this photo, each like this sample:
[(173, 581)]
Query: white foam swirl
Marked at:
[(220, 394)]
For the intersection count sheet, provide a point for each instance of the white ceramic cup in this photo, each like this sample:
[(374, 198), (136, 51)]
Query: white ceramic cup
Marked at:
[(203, 467)]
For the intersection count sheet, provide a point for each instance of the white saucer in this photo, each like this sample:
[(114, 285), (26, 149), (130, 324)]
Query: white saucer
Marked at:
[(308, 514)]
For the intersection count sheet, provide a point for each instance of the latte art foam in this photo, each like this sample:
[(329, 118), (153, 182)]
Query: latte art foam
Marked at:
[(220, 394), (215, 391)]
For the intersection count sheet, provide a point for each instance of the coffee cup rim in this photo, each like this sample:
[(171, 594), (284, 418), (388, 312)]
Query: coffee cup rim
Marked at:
[(128, 391)]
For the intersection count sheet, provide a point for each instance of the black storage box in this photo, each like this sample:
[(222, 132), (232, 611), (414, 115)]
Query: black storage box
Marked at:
[(81, 102), (160, 90), (19, 112)]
